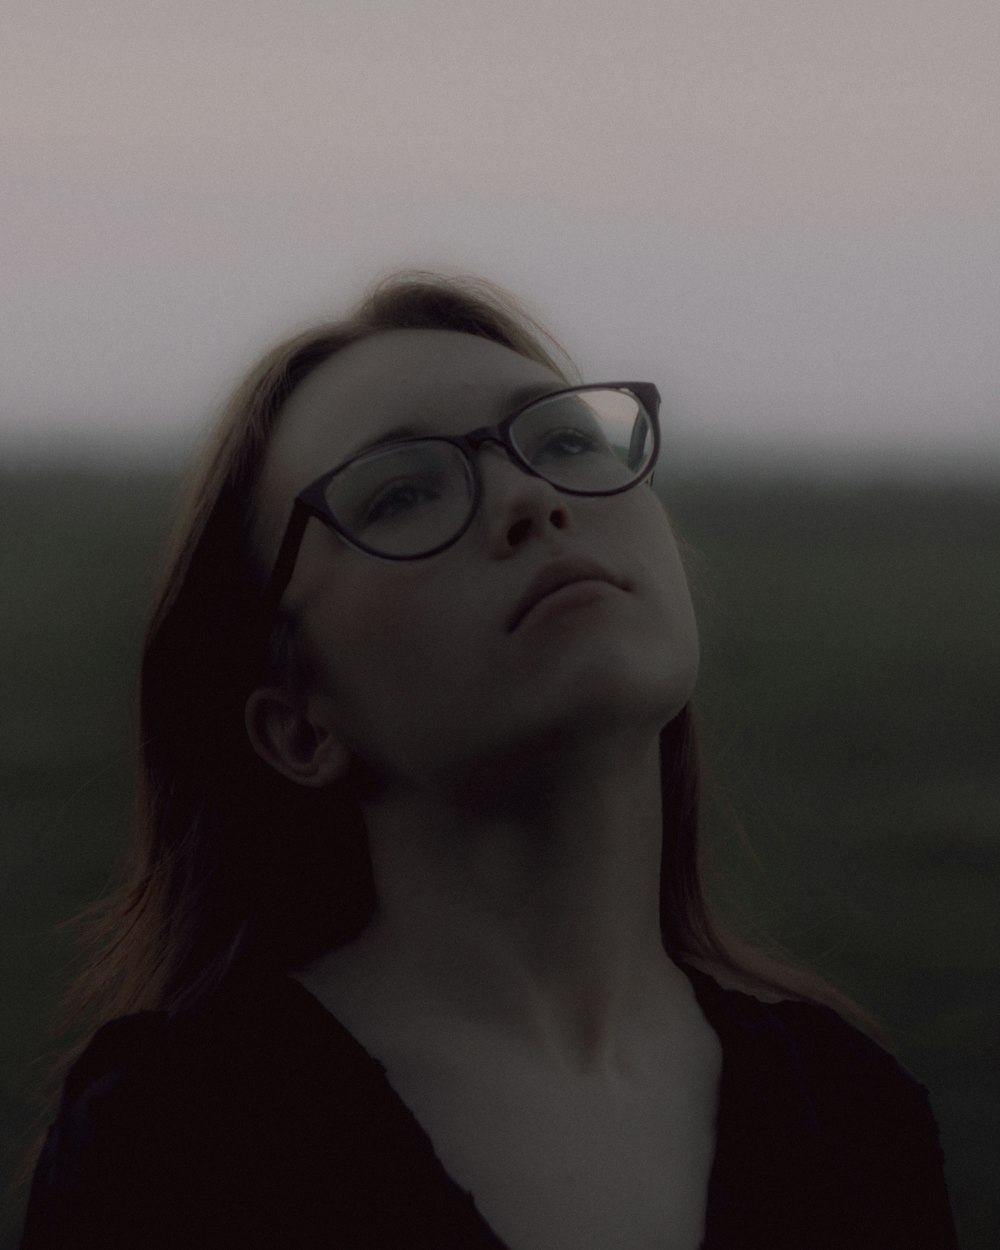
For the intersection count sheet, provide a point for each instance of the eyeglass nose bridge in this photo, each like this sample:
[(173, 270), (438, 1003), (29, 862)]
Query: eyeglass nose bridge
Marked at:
[(475, 439), (473, 442)]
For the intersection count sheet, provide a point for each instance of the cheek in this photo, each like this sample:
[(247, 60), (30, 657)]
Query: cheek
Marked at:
[(386, 650), (663, 569), (654, 540)]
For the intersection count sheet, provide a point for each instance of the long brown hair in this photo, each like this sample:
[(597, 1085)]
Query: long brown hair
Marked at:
[(230, 868)]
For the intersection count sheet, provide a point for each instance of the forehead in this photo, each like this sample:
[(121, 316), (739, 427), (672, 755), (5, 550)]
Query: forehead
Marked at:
[(441, 380)]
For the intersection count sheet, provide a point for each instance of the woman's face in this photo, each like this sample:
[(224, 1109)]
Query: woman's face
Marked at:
[(413, 664)]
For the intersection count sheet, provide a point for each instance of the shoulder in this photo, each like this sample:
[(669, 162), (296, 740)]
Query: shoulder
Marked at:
[(105, 1168), (811, 1041), (846, 1076), (195, 1071), (874, 1121), (122, 1051), (195, 1127), (153, 1124), (147, 1064), (848, 1128)]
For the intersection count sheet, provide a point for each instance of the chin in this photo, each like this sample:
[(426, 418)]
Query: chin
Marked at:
[(603, 695)]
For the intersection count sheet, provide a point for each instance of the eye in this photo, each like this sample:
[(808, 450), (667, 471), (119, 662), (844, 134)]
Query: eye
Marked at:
[(401, 496), (568, 441)]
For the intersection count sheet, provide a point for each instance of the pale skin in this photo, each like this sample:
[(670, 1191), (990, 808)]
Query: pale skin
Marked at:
[(514, 812)]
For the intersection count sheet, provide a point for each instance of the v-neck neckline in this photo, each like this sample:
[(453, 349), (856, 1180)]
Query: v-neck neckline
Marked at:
[(344, 1039), (736, 1018)]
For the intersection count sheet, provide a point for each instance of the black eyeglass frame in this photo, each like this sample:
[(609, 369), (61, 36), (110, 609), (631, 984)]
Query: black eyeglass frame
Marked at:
[(311, 501)]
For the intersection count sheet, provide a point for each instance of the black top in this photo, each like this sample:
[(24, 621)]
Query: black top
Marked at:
[(260, 1121)]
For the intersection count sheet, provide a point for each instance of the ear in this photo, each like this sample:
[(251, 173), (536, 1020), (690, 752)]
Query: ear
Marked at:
[(302, 749)]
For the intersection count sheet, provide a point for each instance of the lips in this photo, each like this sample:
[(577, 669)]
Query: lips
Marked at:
[(553, 577)]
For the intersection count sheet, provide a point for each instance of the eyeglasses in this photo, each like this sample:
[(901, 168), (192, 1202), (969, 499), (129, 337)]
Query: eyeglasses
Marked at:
[(412, 497)]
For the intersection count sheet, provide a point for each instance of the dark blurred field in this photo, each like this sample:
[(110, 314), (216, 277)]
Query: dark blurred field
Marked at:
[(850, 711)]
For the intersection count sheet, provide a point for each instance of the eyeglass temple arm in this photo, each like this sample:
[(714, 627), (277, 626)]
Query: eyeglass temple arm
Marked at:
[(639, 431), (287, 553), (649, 397)]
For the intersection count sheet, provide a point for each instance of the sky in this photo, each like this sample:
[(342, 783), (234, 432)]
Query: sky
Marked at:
[(786, 213)]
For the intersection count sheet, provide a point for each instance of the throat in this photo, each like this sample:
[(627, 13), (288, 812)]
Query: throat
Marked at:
[(590, 1021)]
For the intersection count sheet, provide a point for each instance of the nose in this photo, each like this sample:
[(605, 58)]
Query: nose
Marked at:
[(515, 504)]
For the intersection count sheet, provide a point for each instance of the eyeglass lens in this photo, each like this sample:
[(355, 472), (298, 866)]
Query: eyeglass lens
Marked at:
[(412, 498)]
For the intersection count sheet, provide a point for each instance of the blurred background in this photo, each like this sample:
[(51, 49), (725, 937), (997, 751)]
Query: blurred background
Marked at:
[(785, 213)]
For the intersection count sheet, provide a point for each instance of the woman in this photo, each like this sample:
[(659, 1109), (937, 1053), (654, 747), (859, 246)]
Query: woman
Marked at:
[(413, 950)]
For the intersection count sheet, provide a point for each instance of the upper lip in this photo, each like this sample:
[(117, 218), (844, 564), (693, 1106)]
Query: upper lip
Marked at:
[(556, 575)]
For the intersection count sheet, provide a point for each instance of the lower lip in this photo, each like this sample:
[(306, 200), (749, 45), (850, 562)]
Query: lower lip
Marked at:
[(573, 595)]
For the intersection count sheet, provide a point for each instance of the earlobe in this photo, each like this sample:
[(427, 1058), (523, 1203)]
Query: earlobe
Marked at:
[(284, 737)]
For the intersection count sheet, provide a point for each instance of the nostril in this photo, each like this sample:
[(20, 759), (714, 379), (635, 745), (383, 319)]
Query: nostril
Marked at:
[(524, 526), (519, 531)]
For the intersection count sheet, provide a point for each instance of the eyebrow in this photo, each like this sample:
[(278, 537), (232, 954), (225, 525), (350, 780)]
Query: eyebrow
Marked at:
[(514, 399), (387, 436)]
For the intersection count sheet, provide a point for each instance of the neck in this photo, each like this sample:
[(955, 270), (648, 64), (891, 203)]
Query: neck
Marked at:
[(534, 915)]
